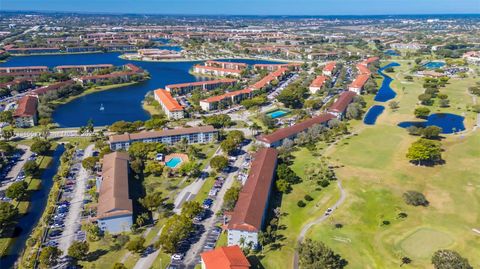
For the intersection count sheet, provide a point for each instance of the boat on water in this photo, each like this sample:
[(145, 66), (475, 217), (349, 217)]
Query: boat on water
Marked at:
[(102, 108)]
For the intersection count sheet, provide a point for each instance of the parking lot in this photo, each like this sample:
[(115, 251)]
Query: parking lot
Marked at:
[(207, 230), (13, 171), (65, 223)]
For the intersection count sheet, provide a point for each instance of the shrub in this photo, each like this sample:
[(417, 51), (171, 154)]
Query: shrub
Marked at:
[(301, 203), (308, 198), (415, 198), (324, 183)]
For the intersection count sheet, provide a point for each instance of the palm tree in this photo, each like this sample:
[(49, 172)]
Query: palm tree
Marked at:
[(254, 128), (242, 241)]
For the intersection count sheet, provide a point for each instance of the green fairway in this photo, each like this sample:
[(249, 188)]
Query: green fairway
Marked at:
[(424, 242), (375, 174)]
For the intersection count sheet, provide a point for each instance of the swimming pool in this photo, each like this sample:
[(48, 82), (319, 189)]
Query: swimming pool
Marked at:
[(391, 53), (277, 113), (450, 123), (174, 162), (372, 114), (434, 65)]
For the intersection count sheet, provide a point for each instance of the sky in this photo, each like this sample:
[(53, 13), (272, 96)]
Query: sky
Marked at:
[(251, 7)]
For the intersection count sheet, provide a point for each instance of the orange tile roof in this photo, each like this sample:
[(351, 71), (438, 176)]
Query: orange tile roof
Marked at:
[(230, 257), (201, 83), (219, 98), (318, 81), (212, 68), (360, 81), (329, 66), (167, 100), (342, 102), (113, 199), (269, 78), (362, 69), (290, 131), (252, 200), (27, 106), (370, 60), (227, 63)]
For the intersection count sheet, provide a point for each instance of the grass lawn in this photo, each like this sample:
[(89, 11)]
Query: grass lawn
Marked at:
[(375, 174), (295, 217), (82, 142)]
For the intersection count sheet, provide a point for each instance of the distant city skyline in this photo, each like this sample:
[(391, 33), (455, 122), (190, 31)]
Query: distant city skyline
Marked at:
[(250, 7)]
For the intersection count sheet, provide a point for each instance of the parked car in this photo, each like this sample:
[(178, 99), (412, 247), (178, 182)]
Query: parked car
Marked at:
[(177, 257)]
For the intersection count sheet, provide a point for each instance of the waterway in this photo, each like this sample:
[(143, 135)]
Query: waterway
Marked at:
[(38, 201), (386, 93), (121, 103)]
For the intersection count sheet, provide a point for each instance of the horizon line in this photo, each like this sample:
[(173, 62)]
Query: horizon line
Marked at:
[(227, 14)]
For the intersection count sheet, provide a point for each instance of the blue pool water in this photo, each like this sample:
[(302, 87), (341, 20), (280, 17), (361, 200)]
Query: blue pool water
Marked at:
[(449, 123), (434, 65), (386, 93), (391, 53), (174, 162), (277, 114), (119, 104), (372, 114)]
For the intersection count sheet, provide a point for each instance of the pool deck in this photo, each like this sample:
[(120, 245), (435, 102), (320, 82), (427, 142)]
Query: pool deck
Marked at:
[(182, 156)]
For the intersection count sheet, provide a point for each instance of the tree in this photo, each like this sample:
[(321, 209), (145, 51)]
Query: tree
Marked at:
[(314, 255), (8, 213), (219, 163), (218, 121), (415, 198), (394, 105), (405, 260), (425, 98), (45, 121), (230, 198), (191, 208), (48, 256), (40, 146), (283, 186), (354, 111), (31, 168), (444, 103), (6, 116), (17, 191), (152, 201), (449, 259), (431, 131), (8, 133), (153, 167), (136, 244), (78, 250), (424, 150), (140, 150), (119, 265), (175, 229), (6, 148), (421, 112), (90, 162), (228, 146)]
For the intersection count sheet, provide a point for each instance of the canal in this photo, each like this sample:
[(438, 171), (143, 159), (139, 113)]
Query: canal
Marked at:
[(38, 201), (121, 103)]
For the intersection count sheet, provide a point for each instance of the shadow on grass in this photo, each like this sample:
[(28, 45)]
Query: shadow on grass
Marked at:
[(95, 255)]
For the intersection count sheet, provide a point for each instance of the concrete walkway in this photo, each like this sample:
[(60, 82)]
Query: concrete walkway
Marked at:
[(319, 220), (73, 219)]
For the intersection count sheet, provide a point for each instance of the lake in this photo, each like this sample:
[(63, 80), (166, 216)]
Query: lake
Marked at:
[(386, 93), (372, 114), (434, 65), (450, 123), (122, 103)]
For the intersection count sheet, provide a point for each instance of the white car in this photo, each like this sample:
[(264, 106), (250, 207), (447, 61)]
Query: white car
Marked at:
[(177, 257)]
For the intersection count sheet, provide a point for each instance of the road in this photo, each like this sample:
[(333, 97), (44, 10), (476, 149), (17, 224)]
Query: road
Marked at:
[(319, 220), (192, 257), (12, 175), (73, 218), (147, 261)]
